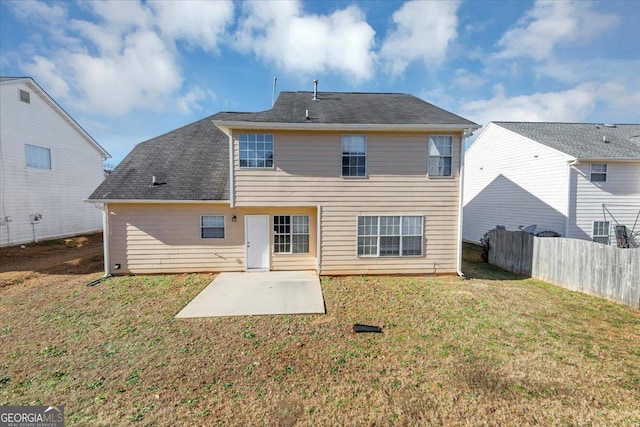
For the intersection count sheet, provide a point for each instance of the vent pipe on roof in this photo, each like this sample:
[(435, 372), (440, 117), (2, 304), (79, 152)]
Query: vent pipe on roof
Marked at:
[(273, 97), (306, 114), (315, 90), (604, 139)]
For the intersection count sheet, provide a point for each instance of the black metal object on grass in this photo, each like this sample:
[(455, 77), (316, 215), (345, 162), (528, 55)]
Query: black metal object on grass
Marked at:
[(366, 328)]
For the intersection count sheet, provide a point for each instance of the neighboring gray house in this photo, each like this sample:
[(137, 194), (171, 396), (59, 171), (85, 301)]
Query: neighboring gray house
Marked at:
[(340, 183), (578, 179), (48, 165)]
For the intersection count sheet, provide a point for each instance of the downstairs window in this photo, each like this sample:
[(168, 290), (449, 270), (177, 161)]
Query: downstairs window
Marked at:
[(601, 232), (291, 234), (387, 236), (212, 226)]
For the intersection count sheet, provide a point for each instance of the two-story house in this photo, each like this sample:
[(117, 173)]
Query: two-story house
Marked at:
[(340, 183), (581, 180), (48, 166)]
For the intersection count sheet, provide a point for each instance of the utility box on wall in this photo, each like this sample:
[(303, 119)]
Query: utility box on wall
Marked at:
[(35, 218)]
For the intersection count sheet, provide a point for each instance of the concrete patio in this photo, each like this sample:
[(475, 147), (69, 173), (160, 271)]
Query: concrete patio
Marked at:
[(259, 293)]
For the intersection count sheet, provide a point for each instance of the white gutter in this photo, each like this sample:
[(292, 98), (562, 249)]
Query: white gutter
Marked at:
[(146, 201), (570, 164), (105, 237), (319, 240), (463, 137), (226, 126), (231, 172), (610, 159)]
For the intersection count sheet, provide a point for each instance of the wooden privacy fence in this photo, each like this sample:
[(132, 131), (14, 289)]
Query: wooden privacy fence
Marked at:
[(593, 268)]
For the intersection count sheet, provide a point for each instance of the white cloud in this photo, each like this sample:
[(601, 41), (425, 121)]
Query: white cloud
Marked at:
[(424, 31), (589, 69), (281, 33), (44, 72), (32, 9), (123, 55), (465, 79), (122, 15), (573, 105), (201, 23), (549, 24), (106, 39), (143, 75), (189, 102)]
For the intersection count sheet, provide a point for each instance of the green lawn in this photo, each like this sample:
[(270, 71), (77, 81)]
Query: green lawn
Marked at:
[(493, 349)]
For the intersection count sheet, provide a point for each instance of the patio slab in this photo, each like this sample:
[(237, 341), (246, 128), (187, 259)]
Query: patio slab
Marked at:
[(259, 293)]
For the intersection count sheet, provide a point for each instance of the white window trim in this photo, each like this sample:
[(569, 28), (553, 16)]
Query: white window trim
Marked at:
[(26, 160), (366, 157), (377, 255), (605, 173), (273, 152), (608, 235), (452, 157), (224, 227), (291, 234)]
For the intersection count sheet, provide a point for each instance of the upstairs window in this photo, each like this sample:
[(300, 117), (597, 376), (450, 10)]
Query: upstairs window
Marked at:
[(598, 172), (354, 156), (291, 234), (25, 96), (440, 155), (601, 232), (37, 157), (256, 150), (212, 226)]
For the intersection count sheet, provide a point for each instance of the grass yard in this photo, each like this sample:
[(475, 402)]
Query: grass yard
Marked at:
[(494, 349)]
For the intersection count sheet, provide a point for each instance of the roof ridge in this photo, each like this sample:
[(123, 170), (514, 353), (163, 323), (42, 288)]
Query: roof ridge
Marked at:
[(566, 123), (348, 92)]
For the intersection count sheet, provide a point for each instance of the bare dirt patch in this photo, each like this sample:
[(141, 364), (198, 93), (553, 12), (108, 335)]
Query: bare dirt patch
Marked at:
[(65, 258)]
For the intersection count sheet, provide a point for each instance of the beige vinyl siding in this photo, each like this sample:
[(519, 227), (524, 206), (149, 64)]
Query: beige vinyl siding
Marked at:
[(307, 172), (165, 238), (339, 243)]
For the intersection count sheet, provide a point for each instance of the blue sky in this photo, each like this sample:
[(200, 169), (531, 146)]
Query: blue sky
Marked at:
[(131, 70)]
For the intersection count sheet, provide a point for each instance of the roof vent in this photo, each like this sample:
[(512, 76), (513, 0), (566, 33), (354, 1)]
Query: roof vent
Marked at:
[(155, 182), (315, 90), (609, 125), (604, 139), (306, 114)]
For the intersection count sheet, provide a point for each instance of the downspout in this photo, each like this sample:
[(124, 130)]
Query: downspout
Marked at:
[(568, 207), (105, 243), (231, 175), (463, 137), (319, 240)]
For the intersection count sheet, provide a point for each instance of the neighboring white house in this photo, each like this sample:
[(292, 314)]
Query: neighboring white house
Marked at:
[(48, 166), (578, 179)]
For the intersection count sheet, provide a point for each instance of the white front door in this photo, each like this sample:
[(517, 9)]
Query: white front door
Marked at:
[(257, 242)]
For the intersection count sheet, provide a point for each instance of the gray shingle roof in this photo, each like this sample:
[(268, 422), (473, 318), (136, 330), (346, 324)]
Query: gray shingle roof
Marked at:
[(189, 163), (583, 140), (350, 108)]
